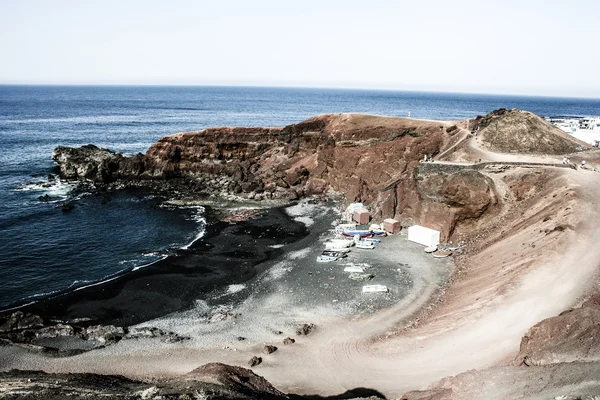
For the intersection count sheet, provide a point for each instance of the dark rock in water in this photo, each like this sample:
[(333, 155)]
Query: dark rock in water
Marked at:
[(67, 207), (289, 340), (254, 361), (51, 177), (305, 329), (88, 162), (45, 197), (104, 333), (269, 349), (20, 320)]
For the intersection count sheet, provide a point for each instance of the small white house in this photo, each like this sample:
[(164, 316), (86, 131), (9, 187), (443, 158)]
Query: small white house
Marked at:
[(425, 236)]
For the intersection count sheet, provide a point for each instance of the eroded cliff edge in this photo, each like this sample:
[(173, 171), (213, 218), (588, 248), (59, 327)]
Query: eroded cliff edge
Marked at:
[(367, 158)]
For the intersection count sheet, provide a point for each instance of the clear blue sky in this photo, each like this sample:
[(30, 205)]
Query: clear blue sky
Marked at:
[(538, 47)]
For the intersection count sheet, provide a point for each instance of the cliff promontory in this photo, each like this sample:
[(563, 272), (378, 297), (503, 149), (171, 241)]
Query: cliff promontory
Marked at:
[(372, 159)]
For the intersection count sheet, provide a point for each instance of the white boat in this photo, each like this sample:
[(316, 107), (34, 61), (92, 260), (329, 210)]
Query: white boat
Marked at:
[(364, 245), (354, 268), (371, 240), (431, 249), (374, 289), (325, 259)]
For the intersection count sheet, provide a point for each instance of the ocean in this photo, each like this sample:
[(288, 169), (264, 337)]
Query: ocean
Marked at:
[(44, 250)]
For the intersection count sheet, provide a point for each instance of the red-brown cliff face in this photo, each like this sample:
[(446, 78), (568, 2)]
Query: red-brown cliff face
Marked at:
[(369, 158)]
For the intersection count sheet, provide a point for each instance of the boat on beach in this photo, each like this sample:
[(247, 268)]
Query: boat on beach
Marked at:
[(362, 234), (324, 258), (331, 253), (364, 245)]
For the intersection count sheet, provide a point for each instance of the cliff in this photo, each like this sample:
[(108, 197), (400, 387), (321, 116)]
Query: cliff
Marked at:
[(368, 158)]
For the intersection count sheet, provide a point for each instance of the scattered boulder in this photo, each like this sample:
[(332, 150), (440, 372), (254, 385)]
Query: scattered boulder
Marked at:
[(289, 340), (55, 331), (104, 333), (254, 361), (269, 349), (305, 329)]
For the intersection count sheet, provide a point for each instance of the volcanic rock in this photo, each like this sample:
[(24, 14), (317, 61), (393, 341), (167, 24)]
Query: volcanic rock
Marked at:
[(20, 320), (254, 361), (305, 329), (289, 340), (572, 336), (268, 349)]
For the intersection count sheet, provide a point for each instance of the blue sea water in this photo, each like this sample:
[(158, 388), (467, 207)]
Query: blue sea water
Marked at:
[(43, 250)]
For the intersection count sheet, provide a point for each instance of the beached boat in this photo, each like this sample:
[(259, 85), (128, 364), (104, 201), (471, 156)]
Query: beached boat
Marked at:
[(442, 254), (323, 258), (338, 254), (371, 240), (354, 268), (374, 289), (362, 234), (431, 249), (364, 245)]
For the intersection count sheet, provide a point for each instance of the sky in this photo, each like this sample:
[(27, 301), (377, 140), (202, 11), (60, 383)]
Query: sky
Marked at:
[(532, 47)]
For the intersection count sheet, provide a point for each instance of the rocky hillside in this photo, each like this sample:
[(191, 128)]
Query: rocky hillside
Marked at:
[(517, 131), (368, 158)]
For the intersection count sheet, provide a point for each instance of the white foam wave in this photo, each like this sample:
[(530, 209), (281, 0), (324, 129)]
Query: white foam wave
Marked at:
[(55, 188)]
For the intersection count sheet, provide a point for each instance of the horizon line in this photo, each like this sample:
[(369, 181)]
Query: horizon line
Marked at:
[(296, 87)]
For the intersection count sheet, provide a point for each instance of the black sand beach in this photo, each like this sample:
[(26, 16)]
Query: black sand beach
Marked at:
[(227, 254)]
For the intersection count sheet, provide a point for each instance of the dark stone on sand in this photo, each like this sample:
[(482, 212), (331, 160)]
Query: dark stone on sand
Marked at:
[(305, 329), (270, 349), (240, 338), (55, 331), (254, 361), (104, 333), (20, 320), (289, 340), (67, 207)]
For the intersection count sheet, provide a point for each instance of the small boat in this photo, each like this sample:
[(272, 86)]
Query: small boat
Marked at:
[(338, 254), (362, 234), (324, 259), (431, 249), (334, 247), (364, 245), (340, 243), (374, 289), (442, 254), (354, 269), (372, 240)]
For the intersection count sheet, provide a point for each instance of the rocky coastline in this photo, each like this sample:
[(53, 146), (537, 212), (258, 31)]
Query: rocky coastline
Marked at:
[(511, 210)]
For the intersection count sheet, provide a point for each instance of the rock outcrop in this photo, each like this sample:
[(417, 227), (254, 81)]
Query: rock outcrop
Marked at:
[(517, 131), (30, 331), (571, 336), (211, 381)]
